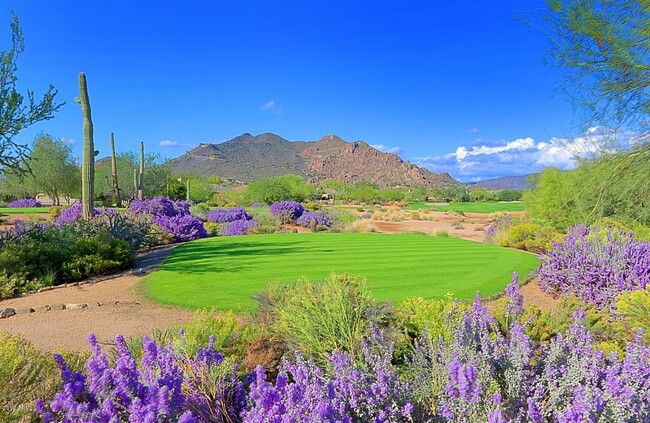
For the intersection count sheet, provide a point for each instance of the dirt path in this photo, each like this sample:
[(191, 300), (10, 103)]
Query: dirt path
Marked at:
[(122, 311)]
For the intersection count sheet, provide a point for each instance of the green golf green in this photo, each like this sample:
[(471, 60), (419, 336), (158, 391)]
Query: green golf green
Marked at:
[(474, 207), (225, 272)]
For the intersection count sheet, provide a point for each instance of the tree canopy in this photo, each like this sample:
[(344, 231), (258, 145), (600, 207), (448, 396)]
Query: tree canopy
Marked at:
[(16, 111)]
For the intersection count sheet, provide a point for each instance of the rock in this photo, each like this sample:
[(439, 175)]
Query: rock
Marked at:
[(128, 303), (24, 310), (108, 303), (57, 307), (41, 309), (45, 288), (93, 304), (7, 312), (75, 306)]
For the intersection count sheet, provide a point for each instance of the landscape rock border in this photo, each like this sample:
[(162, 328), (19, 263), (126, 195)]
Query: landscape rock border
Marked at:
[(9, 311)]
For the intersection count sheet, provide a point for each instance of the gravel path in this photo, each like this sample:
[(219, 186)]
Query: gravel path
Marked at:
[(123, 311)]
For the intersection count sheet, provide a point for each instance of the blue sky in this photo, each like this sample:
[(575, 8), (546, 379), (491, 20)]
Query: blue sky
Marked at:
[(460, 87)]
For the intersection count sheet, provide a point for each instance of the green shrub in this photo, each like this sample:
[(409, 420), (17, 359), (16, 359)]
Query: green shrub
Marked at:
[(634, 308), (87, 265), (437, 317), (320, 317), (16, 284), (27, 375), (442, 234), (212, 228), (200, 210), (529, 237)]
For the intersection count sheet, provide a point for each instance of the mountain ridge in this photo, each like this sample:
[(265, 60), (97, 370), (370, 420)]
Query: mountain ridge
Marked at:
[(247, 157)]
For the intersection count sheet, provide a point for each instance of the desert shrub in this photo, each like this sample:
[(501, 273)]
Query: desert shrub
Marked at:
[(24, 202), (212, 228), (359, 226), (479, 228), (262, 230), (167, 385), (286, 211), (70, 215), (231, 214), (238, 227), (500, 224), (183, 227), (320, 317), (596, 265), (442, 234), (306, 218), (311, 205), (415, 215), (340, 390), (16, 284), (529, 237), (457, 225), (27, 375), (200, 210), (160, 206), (634, 308), (135, 229)]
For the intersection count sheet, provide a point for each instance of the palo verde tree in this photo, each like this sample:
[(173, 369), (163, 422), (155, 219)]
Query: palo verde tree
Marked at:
[(605, 45), (54, 170), (16, 111)]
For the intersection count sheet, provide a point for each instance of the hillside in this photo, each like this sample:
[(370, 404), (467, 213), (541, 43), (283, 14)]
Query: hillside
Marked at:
[(247, 157), (519, 183)]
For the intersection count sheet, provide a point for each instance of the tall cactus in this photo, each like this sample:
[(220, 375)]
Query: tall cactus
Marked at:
[(136, 184), (89, 153), (140, 176), (116, 188), (187, 192)]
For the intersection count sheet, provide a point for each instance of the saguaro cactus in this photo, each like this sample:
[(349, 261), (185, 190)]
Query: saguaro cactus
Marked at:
[(140, 176), (187, 191), (116, 188), (88, 159)]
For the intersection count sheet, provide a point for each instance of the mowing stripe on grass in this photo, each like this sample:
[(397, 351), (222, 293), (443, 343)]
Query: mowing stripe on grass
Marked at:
[(474, 207), (226, 272)]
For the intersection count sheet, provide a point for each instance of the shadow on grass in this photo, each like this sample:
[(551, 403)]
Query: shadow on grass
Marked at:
[(209, 257)]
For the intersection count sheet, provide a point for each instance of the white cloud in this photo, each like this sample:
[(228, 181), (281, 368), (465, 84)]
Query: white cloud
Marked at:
[(474, 131), (385, 149), (522, 155), (270, 106), (175, 144), (68, 141)]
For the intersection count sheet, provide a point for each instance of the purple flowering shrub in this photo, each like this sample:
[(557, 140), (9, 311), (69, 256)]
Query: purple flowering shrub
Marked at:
[(232, 221), (72, 214), (231, 214), (287, 211), (342, 392), (596, 265), (238, 227), (24, 202), (307, 216), (167, 386), (173, 216), (485, 374), (182, 227), (160, 206)]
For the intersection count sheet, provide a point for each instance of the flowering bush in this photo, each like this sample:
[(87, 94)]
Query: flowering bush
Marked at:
[(183, 227), (72, 214), (596, 265), (306, 218), (238, 227), (167, 386), (344, 392), (231, 214), (24, 202), (160, 206), (287, 211), (173, 216)]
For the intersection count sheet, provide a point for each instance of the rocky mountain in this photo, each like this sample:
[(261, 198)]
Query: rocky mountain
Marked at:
[(519, 183), (247, 157)]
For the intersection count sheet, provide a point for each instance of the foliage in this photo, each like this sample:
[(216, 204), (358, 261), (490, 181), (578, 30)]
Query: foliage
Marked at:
[(70, 215), (340, 391), (27, 375), (168, 385), (634, 308), (158, 178), (603, 44), (54, 170), (173, 216), (238, 227), (182, 227), (307, 217), (319, 318), (227, 215), (287, 211), (15, 114), (596, 265), (286, 187), (24, 202)]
